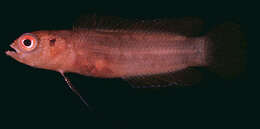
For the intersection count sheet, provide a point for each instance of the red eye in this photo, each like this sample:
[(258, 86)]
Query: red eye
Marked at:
[(28, 42)]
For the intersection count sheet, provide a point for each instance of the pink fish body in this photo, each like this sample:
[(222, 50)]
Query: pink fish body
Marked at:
[(112, 53)]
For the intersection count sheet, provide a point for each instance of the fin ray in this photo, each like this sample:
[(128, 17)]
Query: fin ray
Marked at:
[(188, 26), (73, 89)]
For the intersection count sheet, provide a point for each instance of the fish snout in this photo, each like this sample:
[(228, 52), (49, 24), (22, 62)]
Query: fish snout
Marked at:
[(13, 52)]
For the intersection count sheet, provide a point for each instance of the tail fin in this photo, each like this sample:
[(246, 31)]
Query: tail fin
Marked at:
[(226, 50)]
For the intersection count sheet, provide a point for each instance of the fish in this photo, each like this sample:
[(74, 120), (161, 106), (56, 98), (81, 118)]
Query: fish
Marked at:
[(155, 53)]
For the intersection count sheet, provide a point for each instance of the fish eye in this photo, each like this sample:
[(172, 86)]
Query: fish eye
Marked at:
[(28, 42)]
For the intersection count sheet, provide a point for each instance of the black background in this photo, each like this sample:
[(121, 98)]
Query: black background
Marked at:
[(35, 98)]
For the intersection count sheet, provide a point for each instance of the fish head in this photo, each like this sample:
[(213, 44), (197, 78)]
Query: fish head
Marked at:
[(41, 49)]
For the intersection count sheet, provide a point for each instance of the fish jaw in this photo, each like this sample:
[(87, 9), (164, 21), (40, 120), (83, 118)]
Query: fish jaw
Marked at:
[(11, 53), (15, 54)]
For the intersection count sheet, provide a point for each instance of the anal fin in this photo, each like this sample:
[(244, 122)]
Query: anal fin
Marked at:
[(185, 77)]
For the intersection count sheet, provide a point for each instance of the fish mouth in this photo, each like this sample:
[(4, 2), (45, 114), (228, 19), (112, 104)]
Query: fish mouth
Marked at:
[(13, 51)]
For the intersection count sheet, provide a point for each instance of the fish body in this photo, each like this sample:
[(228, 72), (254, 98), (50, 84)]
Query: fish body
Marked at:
[(108, 54), (124, 54), (112, 53)]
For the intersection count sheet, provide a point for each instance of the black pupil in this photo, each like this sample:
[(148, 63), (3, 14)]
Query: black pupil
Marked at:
[(27, 42)]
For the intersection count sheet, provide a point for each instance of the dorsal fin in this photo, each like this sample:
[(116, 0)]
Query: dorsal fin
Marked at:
[(186, 77), (187, 26)]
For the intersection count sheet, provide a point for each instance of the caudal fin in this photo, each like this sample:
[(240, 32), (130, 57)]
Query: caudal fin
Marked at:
[(226, 50)]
